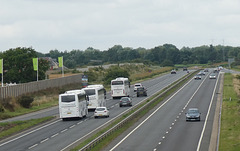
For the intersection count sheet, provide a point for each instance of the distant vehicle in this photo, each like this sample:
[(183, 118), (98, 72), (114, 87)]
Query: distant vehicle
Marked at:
[(101, 112), (206, 70), (173, 72), (185, 69), (137, 85), (97, 95), (212, 76), (73, 104), (193, 114), (142, 91), (84, 81), (215, 70), (197, 77), (125, 101), (220, 68), (201, 73), (120, 87)]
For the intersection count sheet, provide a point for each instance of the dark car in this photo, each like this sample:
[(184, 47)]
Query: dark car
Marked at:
[(142, 91), (185, 69), (173, 72), (125, 101), (193, 114)]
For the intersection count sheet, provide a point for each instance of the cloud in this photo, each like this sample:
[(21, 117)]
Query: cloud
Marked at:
[(74, 24)]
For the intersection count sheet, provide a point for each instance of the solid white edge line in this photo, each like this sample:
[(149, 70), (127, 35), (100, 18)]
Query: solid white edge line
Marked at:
[(209, 108)]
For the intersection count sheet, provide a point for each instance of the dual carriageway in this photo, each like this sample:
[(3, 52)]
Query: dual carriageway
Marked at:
[(163, 129)]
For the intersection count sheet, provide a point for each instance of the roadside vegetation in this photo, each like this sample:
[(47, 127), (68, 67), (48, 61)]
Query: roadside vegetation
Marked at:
[(230, 121), (9, 128)]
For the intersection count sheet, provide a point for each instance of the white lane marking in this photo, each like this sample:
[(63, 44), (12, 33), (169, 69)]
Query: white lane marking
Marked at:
[(44, 140), (150, 116), (209, 108), (79, 122), (72, 126), (32, 146), (54, 135), (29, 132), (64, 130)]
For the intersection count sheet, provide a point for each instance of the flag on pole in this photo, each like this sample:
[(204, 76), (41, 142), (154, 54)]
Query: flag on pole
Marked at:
[(35, 64), (60, 61), (1, 65)]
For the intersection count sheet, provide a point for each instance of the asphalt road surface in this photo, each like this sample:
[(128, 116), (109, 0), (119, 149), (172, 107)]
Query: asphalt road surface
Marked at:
[(166, 128), (58, 135)]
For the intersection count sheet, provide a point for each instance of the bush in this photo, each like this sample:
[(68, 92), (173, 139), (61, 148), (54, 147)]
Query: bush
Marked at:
[(25, 101), (8, 103), (1, 109)]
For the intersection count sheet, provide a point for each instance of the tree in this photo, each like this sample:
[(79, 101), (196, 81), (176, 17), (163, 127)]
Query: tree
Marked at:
[(18, 65), (113, 73)]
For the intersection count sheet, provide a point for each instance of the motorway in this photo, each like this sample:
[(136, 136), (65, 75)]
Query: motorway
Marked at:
[(166, 128), (59, 135)]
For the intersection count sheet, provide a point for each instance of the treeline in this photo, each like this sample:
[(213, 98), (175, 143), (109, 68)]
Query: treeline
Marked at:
[(166, 55)]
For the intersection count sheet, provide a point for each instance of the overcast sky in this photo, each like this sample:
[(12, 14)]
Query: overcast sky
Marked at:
[(46, 25)]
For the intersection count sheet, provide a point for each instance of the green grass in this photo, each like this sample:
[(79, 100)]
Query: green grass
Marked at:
[(9, 128), (21, 111), (230, 118)]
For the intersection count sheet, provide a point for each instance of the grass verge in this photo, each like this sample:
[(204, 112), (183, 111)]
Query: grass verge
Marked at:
[(118, 132), (230, 121), (10, 128)]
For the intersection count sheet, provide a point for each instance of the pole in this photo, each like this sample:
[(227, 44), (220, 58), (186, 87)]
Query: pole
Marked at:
[(2, 72), (37, 69), (62, 68)]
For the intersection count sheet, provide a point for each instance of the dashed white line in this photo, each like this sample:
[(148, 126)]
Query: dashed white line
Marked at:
[(32, 146), (64, 130), (44, 140), (79, 122), (72, 126), (54, 135)]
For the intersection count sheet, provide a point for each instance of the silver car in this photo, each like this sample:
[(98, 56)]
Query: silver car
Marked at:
[(212, 76), (101, 112)]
